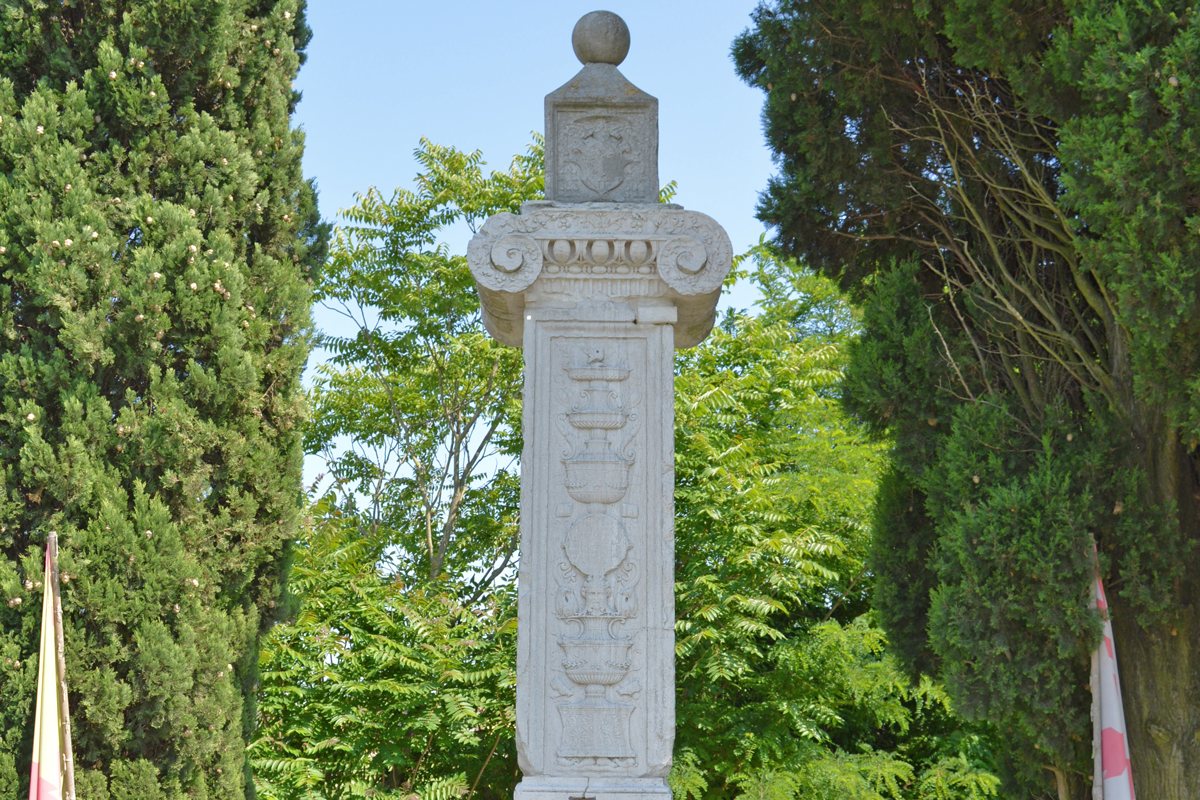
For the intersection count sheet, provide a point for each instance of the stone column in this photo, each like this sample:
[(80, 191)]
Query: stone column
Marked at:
[(599, 283)]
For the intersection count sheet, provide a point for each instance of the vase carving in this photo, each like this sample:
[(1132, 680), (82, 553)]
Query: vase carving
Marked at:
[(596, 575)]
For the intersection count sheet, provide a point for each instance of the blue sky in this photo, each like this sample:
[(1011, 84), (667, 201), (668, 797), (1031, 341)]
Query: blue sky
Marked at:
[(380, 75), (474, 74)]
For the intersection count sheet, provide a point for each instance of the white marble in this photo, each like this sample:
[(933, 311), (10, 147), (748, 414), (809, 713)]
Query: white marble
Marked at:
[(600, 37), (601, 130), (599, 288)]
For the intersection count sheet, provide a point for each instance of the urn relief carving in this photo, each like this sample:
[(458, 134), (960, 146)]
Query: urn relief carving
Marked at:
[(597, 576)]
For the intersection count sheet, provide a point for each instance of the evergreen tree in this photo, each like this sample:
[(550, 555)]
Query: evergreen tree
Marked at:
[(155, 235), (1013, 189)]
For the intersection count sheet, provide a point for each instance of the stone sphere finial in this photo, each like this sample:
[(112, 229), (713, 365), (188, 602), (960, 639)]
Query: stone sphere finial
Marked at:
[(601, 37)]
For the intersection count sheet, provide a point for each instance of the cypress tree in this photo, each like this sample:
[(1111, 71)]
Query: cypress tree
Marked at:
[(156, 239), (1013, 188)]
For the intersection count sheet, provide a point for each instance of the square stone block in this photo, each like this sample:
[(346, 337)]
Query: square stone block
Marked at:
[(601, 140)]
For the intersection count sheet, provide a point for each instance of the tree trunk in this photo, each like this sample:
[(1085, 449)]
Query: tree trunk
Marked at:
[(1160, 681), (1160, 665)]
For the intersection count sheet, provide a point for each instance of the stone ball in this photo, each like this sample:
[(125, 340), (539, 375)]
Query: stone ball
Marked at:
[(601, 37)]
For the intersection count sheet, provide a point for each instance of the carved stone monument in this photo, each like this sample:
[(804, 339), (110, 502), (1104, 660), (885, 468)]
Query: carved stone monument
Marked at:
[(598, 283)]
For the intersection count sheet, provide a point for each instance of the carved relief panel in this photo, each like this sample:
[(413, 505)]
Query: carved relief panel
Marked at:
[(601, 140), (605, 156), (605, 473), (597, 576)]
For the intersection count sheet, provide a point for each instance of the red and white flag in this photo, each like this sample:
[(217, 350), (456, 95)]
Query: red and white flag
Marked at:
[(1112, 756), (46, 780)]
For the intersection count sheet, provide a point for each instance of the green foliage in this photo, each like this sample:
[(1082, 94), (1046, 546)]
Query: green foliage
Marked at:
[(1132, 186), (379, 686), (426, 400), (1011, 187), (154, 234), (894, 372), (398, 675), (956, 777), (1031, 520), (1133, 181), (784, 685), (900, 548)]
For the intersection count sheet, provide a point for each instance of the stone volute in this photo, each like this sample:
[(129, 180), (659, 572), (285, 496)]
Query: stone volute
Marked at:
[(598, 283)]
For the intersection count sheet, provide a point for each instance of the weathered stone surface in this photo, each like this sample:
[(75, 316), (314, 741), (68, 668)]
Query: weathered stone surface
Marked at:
[(595, 662), (638, 257), (601, 139), (601, 130), (599, 284), (600, 37)]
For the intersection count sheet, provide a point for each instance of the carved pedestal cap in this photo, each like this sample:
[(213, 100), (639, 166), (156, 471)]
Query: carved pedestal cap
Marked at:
[(601, 130), (655, 262)]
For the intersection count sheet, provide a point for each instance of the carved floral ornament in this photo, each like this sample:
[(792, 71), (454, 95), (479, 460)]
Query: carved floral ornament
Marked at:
[(598, 575), (687, 250)]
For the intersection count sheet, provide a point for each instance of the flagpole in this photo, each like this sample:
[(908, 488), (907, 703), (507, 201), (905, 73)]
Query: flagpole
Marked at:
[(1097, 768), (68, 765)]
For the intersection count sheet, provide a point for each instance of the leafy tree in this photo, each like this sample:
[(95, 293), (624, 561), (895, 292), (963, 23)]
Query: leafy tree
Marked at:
[(384, 687), (398, 674), (1012, 188), (155, 231), (785, 686), (423, 400), (397, 677)]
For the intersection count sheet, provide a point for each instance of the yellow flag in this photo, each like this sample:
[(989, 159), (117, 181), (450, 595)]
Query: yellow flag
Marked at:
[(46, 779)]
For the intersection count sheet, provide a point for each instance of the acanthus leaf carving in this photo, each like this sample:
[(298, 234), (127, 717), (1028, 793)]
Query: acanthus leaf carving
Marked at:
[(560, 688)]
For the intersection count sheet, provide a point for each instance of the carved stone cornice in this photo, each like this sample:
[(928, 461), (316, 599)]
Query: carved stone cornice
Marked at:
[(649, 257)]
